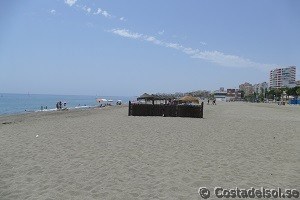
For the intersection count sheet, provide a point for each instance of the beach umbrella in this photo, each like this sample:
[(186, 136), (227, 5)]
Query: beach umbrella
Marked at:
[(101, 100)]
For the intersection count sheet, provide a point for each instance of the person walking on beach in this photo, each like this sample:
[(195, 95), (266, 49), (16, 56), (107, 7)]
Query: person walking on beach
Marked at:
[(214, 102), (207, 101)]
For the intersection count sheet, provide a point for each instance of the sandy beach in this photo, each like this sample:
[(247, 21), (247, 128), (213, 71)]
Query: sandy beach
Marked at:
[(105, 154)]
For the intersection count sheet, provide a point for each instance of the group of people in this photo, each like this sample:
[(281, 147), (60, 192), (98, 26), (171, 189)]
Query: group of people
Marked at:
[(60, 105), (213, 102)]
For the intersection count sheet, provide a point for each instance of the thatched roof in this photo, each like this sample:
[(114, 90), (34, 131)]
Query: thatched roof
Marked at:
[(165, 97), (149, 97), (146, 96), (189, 99)]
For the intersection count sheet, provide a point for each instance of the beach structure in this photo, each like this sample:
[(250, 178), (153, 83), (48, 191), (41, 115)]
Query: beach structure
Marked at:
[(185, 107), (155, 99), (148, 98), (189, 99), (166, 110)]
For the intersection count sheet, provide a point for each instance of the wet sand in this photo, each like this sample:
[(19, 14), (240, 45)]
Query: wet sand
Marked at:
[(104, 154)]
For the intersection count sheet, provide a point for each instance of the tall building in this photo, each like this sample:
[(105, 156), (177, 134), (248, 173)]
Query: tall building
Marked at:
[(233, 95), (247, 88), (283, 77), (260, 88)]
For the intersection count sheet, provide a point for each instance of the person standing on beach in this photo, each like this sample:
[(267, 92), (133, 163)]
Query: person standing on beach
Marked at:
[(207, 101)]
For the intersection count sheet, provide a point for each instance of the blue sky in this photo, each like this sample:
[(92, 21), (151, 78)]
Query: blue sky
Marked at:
[(131, 47)]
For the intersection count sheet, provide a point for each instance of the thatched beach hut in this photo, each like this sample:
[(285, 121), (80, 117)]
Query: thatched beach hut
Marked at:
[(189, 99), (148, 97)]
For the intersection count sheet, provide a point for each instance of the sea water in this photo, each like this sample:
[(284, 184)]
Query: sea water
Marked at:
[(21, 103)]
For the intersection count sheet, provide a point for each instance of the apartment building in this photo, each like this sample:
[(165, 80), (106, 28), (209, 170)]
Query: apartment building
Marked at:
[(283, 77)]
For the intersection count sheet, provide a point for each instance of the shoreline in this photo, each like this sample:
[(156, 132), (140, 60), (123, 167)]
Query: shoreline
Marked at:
[(95, 107), (89, 109), (50, 110), (14, 117)]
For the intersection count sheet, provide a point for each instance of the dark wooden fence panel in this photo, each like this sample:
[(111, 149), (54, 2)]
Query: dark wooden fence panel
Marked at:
[(195, 111)]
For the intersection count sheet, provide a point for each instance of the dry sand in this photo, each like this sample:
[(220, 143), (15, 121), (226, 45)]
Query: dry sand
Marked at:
[(104, 154)]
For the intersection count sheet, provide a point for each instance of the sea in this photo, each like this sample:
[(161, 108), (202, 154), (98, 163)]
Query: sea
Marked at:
[(22, 103)]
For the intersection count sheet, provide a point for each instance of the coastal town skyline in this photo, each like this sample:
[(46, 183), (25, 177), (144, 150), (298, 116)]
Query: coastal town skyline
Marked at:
[(114, 48), (279, 78)]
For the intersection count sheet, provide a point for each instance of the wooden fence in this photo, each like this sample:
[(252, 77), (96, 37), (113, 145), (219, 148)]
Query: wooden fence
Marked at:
[(194, 111)]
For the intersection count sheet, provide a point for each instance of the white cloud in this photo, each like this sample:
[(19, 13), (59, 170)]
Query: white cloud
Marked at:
[(129, 34), (228, 60), (105, 14), (217, 57), (53, 12), (174, 46), (190, 51), (70, 2), (98, 11), (153, 40), (86, 9), (102, 12), (126, 33)]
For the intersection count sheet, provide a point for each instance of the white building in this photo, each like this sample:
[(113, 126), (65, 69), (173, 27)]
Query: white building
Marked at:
[(283, 77), (260, 88), (220, 96)]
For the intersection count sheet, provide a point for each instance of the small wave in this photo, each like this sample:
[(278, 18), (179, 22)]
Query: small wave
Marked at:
[(45, 110), (78, 107)]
